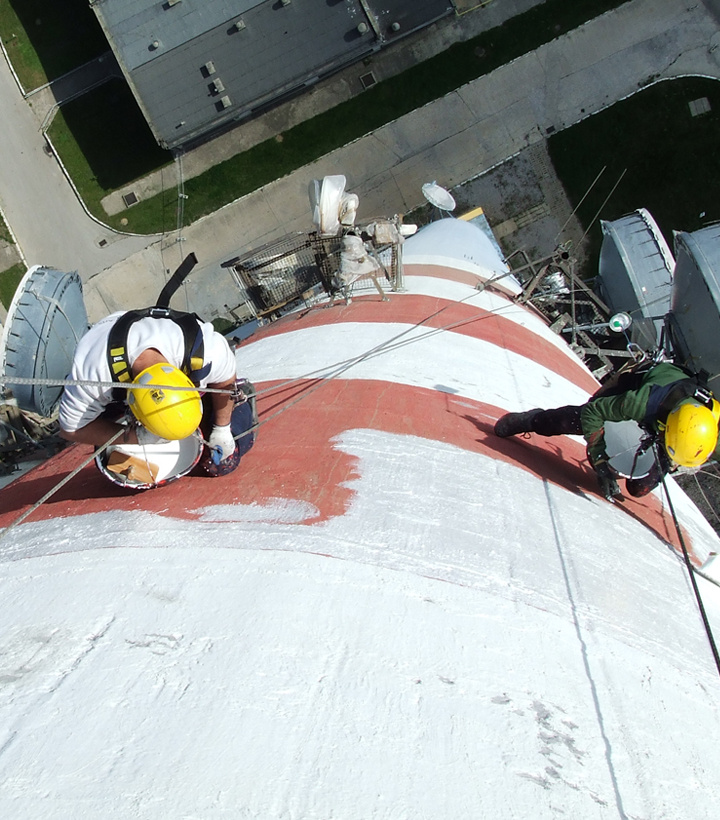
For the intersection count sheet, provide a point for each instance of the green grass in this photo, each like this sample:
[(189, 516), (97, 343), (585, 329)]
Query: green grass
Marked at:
[(47, 38), (4, 232), (9, 280), (670, 159), (222, 325), (310, 140)]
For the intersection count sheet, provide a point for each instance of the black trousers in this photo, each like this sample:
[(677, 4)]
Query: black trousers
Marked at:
[(566, 421), (560, 421)]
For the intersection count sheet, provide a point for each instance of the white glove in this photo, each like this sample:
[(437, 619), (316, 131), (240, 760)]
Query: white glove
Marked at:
[(146, 438), (221, 439)]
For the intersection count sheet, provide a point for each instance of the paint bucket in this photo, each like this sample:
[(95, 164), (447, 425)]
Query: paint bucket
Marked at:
[(623, 440), (139, 467)]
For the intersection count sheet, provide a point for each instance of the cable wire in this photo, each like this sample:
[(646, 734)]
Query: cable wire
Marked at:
[(329, 372), (690, 569), (61, 484), (705, 498)]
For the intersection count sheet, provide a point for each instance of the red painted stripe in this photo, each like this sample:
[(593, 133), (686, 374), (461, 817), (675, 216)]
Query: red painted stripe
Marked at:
[(455, 275), (294, 457), (432, 313)]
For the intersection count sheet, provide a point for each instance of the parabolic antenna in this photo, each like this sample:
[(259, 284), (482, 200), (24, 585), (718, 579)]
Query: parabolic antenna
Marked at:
[(46, 320), (439, 197), (694, 319), (619, 322)]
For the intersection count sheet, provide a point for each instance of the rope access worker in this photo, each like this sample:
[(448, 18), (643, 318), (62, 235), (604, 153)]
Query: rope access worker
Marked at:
[(671, 405), (156, 346)]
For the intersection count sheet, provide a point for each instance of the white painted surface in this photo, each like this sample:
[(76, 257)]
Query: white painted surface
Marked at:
[(441, 672), (407, 354), (490, 301)]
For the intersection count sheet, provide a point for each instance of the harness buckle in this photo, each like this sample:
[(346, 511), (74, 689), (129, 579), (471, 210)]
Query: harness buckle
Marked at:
[(703, 395)]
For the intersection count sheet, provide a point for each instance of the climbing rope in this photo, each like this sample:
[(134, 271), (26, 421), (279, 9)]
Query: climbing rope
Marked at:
[(61, 484), (98, 383), (321, 375), (393, 343), (690, 569)]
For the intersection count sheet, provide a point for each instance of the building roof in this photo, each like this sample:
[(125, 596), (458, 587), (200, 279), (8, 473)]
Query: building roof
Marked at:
[(197, 65)]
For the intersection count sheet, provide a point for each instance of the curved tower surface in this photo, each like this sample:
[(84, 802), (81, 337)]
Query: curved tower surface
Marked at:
[(387, 612)]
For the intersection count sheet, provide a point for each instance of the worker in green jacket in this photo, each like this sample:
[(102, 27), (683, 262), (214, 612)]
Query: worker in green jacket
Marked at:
[(664, 400)]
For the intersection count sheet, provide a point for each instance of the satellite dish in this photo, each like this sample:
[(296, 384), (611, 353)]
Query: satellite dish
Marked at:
[(45, 321), (439, 197)]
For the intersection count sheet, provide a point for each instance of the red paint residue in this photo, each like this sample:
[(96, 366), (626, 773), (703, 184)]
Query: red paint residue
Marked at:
[(295, 458)]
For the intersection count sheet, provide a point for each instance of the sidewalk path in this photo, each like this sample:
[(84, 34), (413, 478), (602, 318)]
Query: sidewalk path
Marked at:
[(43, 211)]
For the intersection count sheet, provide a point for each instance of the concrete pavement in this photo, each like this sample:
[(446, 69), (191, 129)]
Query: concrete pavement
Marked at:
[(450, 140), (45, 215)]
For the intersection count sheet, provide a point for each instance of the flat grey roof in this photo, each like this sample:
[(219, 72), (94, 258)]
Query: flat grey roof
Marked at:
[(196, 65)]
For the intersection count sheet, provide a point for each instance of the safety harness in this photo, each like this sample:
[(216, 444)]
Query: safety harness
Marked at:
[(663, 400), (193, 363)]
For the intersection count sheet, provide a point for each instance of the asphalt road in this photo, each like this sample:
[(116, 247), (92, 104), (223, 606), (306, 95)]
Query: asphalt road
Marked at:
[(49, 222)]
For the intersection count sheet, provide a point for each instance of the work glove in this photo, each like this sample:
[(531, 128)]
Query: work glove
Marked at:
[(221, 442), (606, 479), (146, 438)]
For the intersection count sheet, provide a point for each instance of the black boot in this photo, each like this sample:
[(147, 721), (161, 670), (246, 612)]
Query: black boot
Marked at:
[(513, 423)]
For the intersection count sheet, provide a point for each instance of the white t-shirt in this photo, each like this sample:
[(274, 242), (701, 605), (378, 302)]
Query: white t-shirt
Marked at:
[(81, 405)]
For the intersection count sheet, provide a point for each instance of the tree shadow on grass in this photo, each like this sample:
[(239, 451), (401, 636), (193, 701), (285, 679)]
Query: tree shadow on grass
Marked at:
[(647, 145)]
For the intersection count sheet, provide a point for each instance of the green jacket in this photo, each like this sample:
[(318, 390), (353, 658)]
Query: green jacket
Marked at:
[(632, 405)]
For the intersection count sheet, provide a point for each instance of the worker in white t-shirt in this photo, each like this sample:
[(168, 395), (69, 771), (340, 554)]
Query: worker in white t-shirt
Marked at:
[(156, 347)]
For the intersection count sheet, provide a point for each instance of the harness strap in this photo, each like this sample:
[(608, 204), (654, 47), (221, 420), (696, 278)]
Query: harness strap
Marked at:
[(667, 399), (193, 363)]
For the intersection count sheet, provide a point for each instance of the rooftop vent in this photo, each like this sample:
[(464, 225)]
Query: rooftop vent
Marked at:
[(362, 28), (224, 102), (367, 80), (209, 68), (240, 25), (217, 86), (698, 107), (170, 3), (285, 2)]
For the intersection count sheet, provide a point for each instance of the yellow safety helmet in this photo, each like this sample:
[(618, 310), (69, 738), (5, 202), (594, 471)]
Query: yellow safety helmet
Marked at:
[(170, 414), (691, 433)]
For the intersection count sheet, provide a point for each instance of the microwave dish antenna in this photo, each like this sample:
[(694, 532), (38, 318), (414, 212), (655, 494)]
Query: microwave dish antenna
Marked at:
[(438, 196)]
